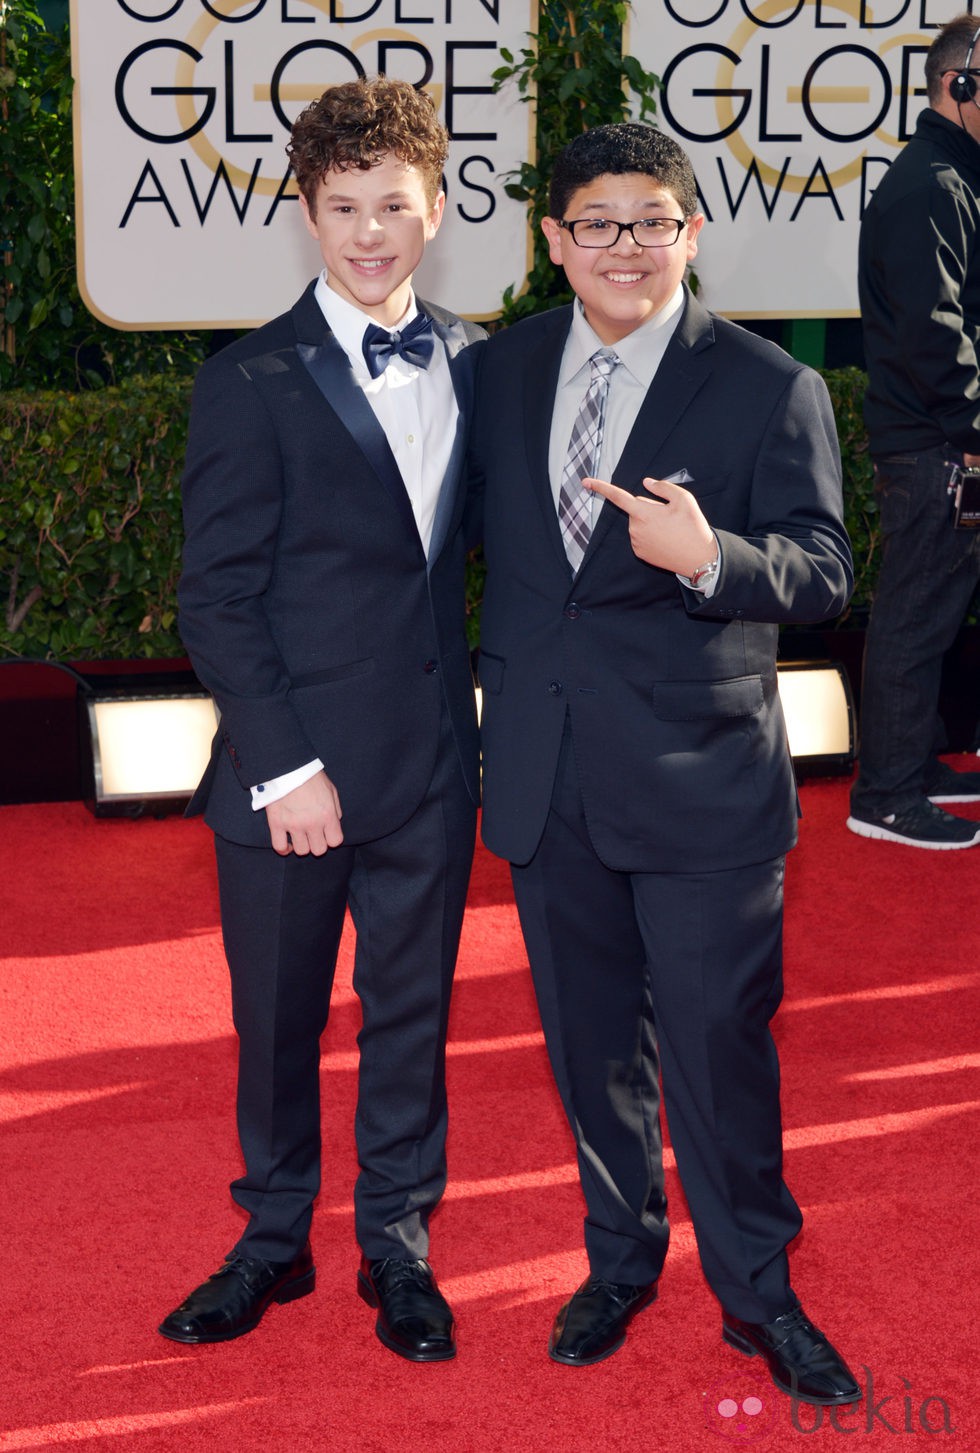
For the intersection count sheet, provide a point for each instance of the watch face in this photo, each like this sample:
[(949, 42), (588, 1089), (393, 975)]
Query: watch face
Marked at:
[(704, 573)]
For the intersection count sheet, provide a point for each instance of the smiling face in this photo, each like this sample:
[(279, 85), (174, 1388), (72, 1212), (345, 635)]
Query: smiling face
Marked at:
[(624, 285), (372, 227)]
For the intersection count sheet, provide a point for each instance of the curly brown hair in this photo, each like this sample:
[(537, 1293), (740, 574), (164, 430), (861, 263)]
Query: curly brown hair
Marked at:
[(355, 125)]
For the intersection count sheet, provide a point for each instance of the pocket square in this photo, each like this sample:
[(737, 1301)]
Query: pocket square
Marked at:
[(679, 476)]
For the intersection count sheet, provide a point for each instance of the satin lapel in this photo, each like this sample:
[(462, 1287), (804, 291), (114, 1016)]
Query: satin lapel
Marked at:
[(461, 369), (330, 370), (543, 366), (685, 368)]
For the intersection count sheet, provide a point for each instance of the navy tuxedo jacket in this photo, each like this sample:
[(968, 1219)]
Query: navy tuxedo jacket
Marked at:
[(678, 734), (307, 605)]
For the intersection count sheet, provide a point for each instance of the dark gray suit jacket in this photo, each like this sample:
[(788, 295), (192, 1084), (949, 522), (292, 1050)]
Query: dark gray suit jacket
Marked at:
[(306, 603), (678, 733)]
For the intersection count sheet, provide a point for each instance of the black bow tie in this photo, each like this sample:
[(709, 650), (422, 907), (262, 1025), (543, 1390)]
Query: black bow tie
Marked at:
[(415, 344)]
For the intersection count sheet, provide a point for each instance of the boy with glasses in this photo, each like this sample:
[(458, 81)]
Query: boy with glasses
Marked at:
[(636, 772)]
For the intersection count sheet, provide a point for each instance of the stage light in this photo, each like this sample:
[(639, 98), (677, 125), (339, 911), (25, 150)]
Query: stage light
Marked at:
[(819, 712), (147, 753)]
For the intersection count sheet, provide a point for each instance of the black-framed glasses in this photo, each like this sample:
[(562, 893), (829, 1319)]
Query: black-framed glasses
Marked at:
[(646, 232)]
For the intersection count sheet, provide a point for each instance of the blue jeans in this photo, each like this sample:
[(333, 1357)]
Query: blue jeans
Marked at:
[(929, 572)]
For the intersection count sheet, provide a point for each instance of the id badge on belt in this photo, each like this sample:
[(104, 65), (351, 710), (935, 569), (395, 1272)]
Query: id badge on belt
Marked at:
[(964, 490)]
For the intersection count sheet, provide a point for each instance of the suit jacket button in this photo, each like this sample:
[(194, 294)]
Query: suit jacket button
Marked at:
[(573, 611), (555, 687), (430, 667)]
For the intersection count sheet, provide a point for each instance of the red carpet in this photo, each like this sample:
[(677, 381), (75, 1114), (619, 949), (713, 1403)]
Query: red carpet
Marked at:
[(116, 1089)]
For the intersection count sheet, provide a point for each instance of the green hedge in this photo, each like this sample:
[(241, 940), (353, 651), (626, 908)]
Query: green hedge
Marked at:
[(90, 529), (847, 387)]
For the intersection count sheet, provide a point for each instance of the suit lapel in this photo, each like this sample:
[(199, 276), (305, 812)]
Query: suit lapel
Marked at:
[(328, 366), (453, 335), (543, 366)]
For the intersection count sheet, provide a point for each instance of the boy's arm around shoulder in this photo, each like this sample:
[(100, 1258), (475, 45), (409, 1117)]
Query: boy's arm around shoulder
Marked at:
[(473, 473)]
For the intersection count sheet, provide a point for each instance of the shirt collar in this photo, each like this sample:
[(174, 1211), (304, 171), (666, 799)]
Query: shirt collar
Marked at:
[(640, 351), (347, 322)]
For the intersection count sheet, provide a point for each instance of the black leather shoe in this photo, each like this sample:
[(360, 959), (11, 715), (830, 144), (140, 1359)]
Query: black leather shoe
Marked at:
[(592, 1324), (801, 1360), (414, 1318), (234, 1300)]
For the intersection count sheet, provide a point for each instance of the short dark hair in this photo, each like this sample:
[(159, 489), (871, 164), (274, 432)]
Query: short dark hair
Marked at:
[(614, 150), (952, 50), (355, 125)]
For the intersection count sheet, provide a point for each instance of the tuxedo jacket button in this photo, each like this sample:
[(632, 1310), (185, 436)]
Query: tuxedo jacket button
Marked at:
[(555, 687)]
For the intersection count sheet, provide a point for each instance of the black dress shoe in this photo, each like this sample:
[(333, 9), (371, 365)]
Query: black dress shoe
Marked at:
[(233, 1301), (414, 1318), (592, 1324), (801, 1360)]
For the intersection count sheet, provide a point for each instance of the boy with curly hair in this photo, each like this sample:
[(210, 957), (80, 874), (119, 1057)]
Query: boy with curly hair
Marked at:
[(322, 602)]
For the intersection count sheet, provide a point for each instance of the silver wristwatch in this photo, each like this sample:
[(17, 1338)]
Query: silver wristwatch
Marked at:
[(702, 577)]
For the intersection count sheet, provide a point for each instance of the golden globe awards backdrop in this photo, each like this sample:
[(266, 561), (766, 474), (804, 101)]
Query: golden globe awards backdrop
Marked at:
[(187, 215), (791, 111)]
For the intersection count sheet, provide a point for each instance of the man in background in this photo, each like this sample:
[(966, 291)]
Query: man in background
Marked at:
[(919, 285)]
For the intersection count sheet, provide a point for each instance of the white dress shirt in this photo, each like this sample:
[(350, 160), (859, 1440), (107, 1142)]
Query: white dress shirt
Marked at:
[(415, 407), (417, 410)]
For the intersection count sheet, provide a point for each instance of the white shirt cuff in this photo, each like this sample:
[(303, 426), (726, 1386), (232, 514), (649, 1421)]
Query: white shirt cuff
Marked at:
[(268, 792)]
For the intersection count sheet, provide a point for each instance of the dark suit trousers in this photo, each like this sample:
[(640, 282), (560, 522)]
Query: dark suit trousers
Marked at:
[(282, 919), (623, 963), (928, 577)]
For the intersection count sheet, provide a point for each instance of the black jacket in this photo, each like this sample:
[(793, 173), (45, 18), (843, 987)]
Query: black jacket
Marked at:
[(919, 286), (679, 737), (307, 605)]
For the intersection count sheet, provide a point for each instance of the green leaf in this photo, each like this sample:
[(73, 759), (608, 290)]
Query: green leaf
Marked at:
[(568, 85)]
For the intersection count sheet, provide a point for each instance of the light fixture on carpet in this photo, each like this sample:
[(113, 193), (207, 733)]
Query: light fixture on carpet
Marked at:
[(148, 752), (819, 711)]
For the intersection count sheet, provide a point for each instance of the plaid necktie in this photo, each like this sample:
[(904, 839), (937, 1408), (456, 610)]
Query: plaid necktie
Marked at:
[(574, 502)]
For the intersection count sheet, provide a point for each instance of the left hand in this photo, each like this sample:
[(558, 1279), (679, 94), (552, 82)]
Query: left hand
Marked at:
[(307, 819), (670, 531)]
